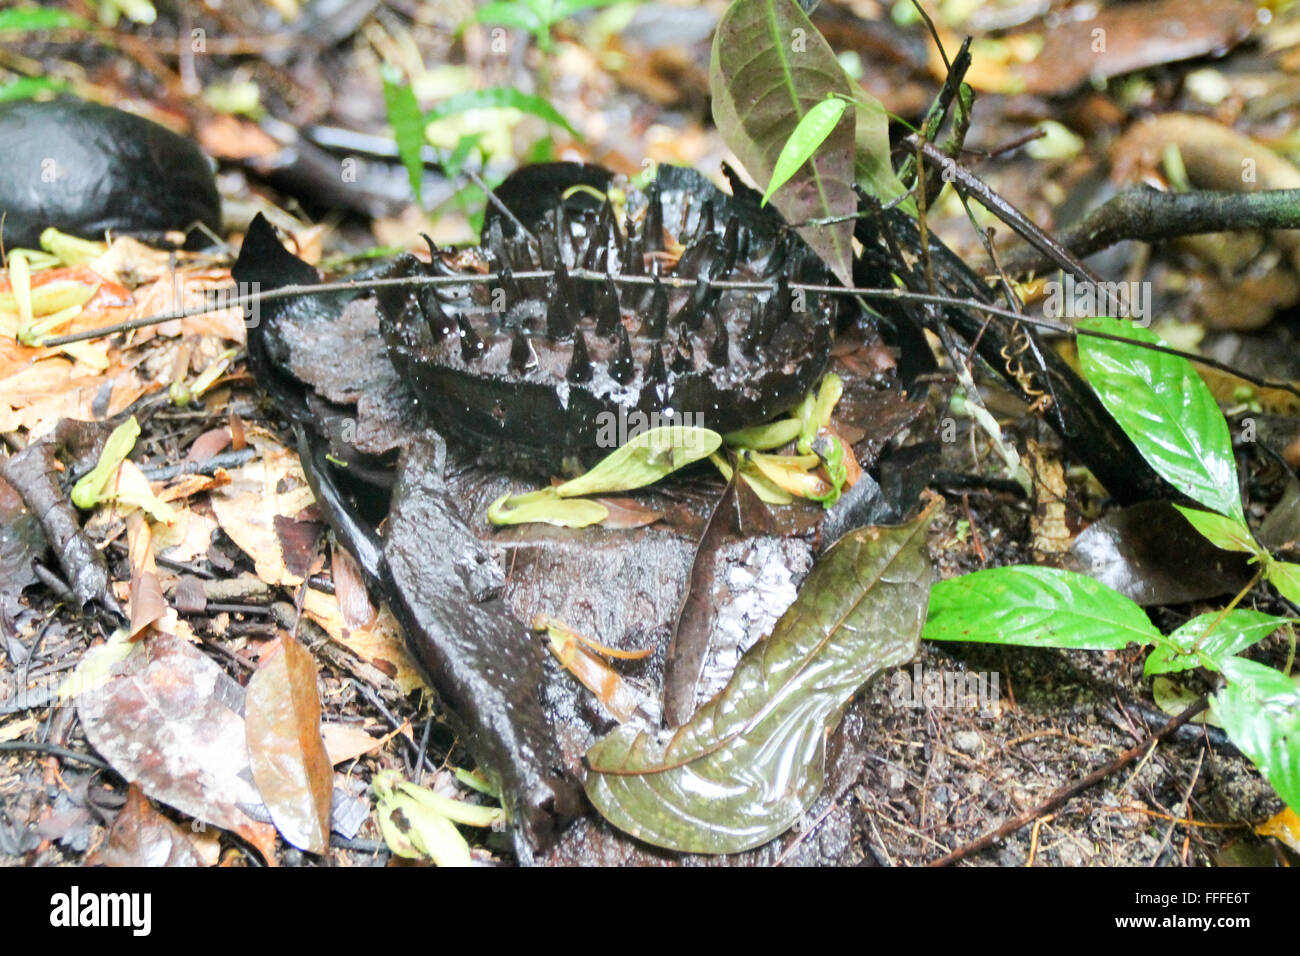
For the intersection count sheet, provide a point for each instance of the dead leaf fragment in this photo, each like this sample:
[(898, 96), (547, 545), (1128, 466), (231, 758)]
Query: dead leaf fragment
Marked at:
[(141, 836)]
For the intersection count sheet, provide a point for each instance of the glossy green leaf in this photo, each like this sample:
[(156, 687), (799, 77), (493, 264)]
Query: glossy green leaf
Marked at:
[(1285, 576), (813, 128), (89, 490), (1035, 607), (1230, 534), (1189, 647), (1259, 709), (644, 459), (500, 97), (546, 507), (1167, 410), (751, 760), (405, 118), (769, 68)]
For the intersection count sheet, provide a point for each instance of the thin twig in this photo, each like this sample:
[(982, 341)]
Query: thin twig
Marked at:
[(54, 750), (1067, 793), (1182, 807), (877, 293)]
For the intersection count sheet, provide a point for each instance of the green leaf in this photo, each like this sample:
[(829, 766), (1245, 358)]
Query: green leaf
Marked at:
[(500, 97), (769, 68), (751, 760), (1259, 709), (408, 127), (645, 459), (815, 412), (1238, 630), (765, 437), (546, 507), (25, 87), (871, 167), (412, 828), (566, 8), (1284, 576), (1230, 534), (1035, 607), (1167, 411), (89, 490), (40, 18), (510, 14), (816, 125)]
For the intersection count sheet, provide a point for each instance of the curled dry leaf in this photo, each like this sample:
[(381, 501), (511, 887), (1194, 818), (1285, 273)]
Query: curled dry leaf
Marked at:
[(381, 644), (147, 601)]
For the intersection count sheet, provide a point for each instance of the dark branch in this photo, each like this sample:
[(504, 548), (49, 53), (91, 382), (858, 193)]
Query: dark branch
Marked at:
[(1149, 215)]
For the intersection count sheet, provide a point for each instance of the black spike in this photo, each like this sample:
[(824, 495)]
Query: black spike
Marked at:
[(653, 233), (632, 258), (563, 234), (548, 249), (580, 363), (496, 242), (621, 367), (601, 236), (699, 259), (607, 223), (656, 371), (778, 305), (754, 331), (520, 352), (471, 346), (780, 253), (559, 312), (393, 301), (605, 304), (706, 224), (718, 352), (511, 287), (730, 246), (440, 325), (684, 353), (656, 322), (688, 316)]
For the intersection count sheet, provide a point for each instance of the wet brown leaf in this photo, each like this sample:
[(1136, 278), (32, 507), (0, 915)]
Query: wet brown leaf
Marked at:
[(290, 766)]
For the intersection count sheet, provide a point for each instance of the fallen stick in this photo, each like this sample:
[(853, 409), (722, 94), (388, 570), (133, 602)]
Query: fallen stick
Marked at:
[(1067, 793)]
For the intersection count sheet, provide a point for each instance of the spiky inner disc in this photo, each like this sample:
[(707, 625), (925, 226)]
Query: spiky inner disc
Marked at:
[(532, 371)]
